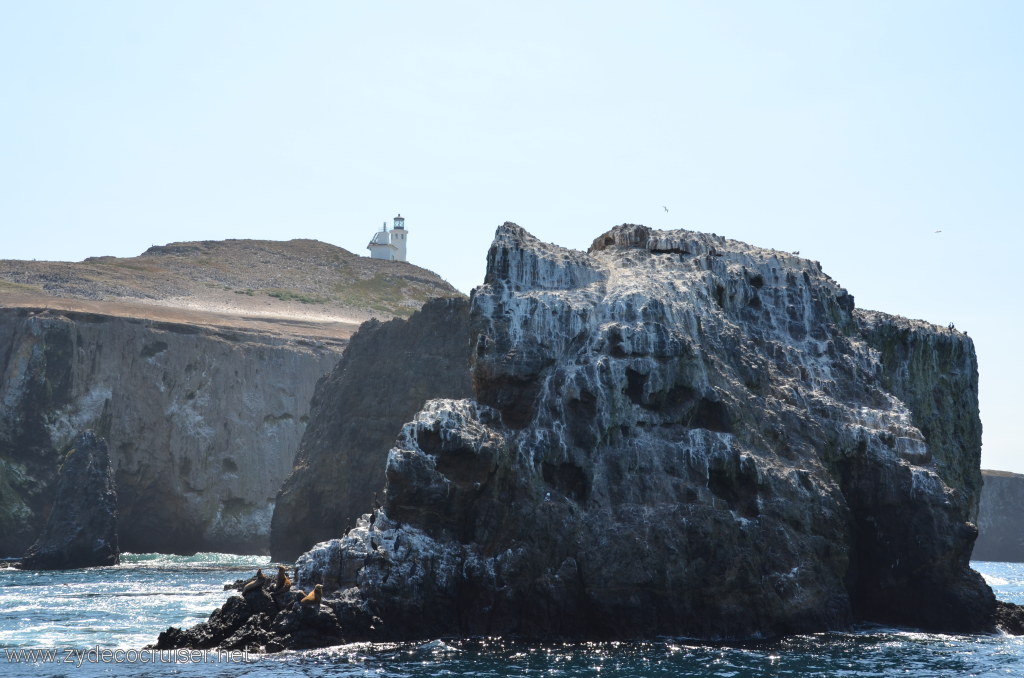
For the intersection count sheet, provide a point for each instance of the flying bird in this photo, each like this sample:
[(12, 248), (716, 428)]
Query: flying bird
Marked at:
[(939, 231), (664, 208)]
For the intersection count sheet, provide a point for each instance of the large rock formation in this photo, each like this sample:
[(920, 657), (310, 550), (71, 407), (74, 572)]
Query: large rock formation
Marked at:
[(677, 433), (1001, 518), (674, 433), (81, 530), (202, 423), (388, 371)]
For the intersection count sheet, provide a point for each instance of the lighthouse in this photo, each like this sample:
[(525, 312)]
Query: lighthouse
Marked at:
[(387, 244), (398, 238)]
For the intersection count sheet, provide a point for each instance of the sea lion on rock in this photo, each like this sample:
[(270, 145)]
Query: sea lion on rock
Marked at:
[(315, 597), (283, 583), (256, 583)]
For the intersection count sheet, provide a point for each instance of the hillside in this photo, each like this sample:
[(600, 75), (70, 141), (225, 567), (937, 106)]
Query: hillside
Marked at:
[(196, 362), (292, 287)]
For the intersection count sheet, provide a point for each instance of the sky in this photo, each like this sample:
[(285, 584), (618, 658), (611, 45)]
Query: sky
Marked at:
[(883, 139)]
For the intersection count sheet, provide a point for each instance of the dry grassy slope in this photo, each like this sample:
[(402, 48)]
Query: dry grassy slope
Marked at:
[(295, 286)]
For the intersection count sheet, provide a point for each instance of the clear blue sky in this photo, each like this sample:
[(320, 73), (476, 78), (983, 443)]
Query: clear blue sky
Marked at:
[(850, 131)]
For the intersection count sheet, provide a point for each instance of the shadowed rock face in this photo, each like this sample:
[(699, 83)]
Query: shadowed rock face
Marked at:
[(675, 433), (388, 371), (81, 530), (1001, 518), (202, 424)]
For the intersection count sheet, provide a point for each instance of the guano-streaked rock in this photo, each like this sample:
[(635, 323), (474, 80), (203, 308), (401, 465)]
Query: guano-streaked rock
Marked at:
[(678, 434), (674, 434)]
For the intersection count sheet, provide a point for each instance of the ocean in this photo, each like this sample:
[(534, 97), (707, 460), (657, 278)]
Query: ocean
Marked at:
[(95, 622)]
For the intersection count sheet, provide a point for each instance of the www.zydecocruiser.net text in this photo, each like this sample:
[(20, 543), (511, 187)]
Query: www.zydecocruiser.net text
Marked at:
[(106, 655)]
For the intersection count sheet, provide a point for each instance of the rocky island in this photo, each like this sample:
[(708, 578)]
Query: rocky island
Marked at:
[(669, 434)]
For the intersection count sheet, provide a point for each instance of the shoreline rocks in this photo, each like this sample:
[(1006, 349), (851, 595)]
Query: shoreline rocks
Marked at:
[(261, 619), (265, 622)]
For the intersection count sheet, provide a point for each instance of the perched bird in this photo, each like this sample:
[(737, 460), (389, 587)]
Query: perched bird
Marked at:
[(256, 582), (283, 583), (315, 597)]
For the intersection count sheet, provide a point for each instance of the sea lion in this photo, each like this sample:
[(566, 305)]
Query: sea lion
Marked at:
[(283, 583), (256, 583), (315, 597)]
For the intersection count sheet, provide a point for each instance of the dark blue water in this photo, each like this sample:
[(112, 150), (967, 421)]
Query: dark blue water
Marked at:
[(94, 622)]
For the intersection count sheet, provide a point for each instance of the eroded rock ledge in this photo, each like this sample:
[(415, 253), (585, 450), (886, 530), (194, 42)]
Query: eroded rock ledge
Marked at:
[(674, 434)]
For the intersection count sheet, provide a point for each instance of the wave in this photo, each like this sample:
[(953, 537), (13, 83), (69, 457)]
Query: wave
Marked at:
[(198, 560)]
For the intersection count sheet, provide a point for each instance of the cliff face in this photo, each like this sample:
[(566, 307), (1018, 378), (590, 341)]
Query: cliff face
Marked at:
[(675, 433), (388, 372), (201, 424), (935, 373), (81, 530), (1000, 524)]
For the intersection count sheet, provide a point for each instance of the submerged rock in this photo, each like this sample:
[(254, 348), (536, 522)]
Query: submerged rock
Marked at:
[(674, 434), (81, 530), (1000, 524)]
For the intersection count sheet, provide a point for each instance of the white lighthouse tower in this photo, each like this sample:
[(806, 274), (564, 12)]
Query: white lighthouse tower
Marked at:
[(398, 238), (387, 244)]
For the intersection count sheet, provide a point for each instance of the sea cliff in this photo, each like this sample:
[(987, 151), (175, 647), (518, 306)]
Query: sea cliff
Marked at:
[(1001, 518), (388, 371), (202, 423), (81, 528)]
